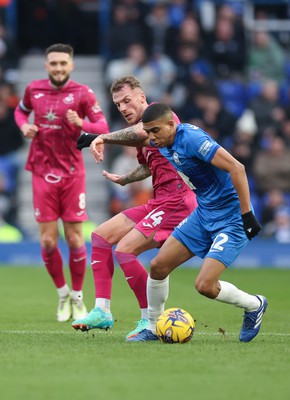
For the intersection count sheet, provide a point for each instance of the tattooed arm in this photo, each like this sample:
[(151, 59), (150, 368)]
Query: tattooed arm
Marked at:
[(141, 172), (131, 136)]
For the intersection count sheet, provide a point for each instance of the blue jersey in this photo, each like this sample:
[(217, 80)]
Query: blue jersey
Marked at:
[(191, 154), (215, 228)]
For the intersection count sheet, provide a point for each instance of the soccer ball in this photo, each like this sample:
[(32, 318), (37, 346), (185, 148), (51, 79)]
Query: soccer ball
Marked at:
[(175, 325)]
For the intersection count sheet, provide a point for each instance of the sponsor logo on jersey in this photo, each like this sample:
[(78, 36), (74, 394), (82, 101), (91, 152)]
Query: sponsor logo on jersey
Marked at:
[(69, 99), (50, 115), (205, 147), (176, 159), (38, 95)]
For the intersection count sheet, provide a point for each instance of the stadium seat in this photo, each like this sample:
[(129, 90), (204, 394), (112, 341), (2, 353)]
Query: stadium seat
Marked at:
[(253, 90), (233, 96)]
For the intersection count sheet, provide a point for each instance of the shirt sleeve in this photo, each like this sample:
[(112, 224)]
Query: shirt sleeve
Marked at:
[(97, 122), (201, 145), (23, 109)]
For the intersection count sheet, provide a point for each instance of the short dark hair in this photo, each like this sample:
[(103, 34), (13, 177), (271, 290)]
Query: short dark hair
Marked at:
[(130, 80), (156, 111), (60, 48)]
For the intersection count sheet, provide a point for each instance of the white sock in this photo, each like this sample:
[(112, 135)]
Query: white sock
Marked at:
[(77, 294), (63, 291), (144, 313), (230, 294), (157, 294), (103, 304)]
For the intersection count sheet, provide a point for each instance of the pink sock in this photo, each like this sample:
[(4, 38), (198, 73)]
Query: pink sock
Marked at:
[(53, 263), (77, 266), (103, 266), (135, 274)]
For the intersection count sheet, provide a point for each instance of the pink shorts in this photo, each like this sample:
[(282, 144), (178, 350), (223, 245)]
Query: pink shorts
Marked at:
[(161, 218), (55, 198)]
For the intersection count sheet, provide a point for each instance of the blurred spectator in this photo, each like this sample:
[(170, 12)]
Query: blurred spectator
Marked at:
[(165, 72), (225, 46), (244, 140), (123, 32), (8, 50), (10, 160), (8, 232), (266, 58), (186, 36), (273, 200), (216, 120), (266, 106), (135, 9), (271, 167), (157, 25), (279, 228), (284, 128), (135, 194), (135, 63), (156, 73)]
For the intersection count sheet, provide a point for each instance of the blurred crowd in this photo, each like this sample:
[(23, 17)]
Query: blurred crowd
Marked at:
[(199, 58), (231, 82)]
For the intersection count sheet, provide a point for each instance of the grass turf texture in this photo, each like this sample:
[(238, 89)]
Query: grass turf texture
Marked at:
[(44, 359)]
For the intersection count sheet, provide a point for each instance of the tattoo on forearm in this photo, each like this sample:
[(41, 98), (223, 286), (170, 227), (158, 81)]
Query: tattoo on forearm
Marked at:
[(138, 174), (127, 136)]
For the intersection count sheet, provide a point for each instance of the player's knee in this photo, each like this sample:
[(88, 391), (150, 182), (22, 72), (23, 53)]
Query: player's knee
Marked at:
[(205, 288), (48, 243), (157, 269), (74, 240)]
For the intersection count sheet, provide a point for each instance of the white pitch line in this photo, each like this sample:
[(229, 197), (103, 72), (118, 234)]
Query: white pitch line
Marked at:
[(25, 332)]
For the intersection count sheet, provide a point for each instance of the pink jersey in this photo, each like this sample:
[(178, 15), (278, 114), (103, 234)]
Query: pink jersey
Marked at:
[(166, 182), (53, 150)]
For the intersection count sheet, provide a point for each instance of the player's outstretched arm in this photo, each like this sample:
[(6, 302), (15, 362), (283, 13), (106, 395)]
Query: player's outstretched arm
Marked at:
[(223, 160), (132, 136), (140, 173)]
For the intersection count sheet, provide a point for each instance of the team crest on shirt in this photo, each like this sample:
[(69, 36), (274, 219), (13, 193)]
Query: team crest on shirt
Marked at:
[(69, 99), (176, 159), (96, 108)]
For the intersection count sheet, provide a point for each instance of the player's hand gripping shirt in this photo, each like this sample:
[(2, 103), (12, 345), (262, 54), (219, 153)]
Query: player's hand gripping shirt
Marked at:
[(53, 149)]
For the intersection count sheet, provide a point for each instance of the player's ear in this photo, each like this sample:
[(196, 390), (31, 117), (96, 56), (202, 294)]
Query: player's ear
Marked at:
[(143, 97)]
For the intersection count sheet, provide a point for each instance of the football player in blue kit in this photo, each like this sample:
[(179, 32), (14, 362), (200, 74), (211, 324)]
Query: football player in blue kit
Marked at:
[(218, 229)]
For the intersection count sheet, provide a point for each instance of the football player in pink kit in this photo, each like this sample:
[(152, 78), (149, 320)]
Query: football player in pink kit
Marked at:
[(137, 229), (58, 173)]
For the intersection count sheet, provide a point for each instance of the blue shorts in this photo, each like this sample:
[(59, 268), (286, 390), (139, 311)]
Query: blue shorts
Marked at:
[(213, 236)]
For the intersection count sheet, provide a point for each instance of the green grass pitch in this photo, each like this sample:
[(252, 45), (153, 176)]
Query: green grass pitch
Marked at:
[(42, 359)]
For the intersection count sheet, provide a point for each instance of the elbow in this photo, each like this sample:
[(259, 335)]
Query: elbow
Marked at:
[(241, 168)]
